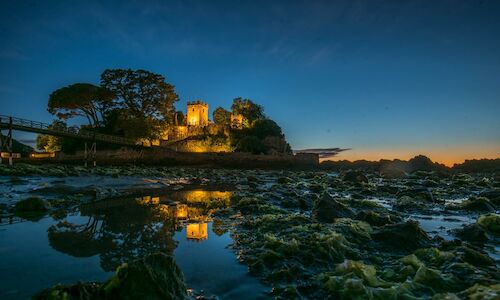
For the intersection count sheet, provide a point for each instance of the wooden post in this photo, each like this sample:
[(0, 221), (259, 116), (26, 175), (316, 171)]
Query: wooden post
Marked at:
[(10, 141), (85, 154)]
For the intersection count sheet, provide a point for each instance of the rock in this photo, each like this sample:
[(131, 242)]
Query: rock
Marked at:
[(327, 209), (490, 223), (154, 277), (408, 203), (355, 177), (31, 208), (284, 180), (476, 258), (492, 195), (406, 236), (393, 173), (376, 219), (480, 204), (472, 233), (478, 291), (82, 291), (419, 193)]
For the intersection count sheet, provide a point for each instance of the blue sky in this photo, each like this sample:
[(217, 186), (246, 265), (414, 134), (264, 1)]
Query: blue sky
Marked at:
[(367, 75)]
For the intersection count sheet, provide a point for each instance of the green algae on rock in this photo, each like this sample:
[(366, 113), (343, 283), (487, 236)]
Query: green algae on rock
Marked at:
[(32, 208), (490, 223), (154, 277)]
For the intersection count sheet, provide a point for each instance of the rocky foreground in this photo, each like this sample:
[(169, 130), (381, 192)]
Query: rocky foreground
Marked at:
[(308, 234)]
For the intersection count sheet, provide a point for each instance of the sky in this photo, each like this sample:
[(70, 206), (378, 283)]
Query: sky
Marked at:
[(387, 79)]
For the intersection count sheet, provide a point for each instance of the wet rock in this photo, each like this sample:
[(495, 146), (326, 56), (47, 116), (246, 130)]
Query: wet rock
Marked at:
[(408, 203), (388, 189), (492, 195), (155, 277), (317, 188), (81, 291), (406, 236), (472, 233), (31, 208), (482, 292), (393, 173), (480, 204), (475, 257), (419, 193), (327, 209), (284, 180), (375, 219), (355, 177), (490, 223)]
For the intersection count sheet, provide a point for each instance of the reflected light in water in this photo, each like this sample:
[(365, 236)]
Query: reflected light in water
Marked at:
[(181, 211), (197, 231), (201, 196)]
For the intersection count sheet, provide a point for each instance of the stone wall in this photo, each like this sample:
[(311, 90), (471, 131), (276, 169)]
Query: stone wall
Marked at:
[(160, 156)]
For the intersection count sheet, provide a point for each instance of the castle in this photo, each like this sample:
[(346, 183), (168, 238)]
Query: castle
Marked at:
[(196, 123), (197, 113)]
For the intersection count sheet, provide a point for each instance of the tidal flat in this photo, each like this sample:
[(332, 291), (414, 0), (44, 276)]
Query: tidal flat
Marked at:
[(67, 232)]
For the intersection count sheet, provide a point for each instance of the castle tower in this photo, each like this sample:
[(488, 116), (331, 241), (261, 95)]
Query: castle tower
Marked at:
[(197, 113)]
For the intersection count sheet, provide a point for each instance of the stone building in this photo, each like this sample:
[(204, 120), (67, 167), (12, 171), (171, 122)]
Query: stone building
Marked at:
[(197, 113)]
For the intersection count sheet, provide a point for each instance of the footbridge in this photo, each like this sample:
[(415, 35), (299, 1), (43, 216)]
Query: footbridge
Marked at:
[(90, 137)]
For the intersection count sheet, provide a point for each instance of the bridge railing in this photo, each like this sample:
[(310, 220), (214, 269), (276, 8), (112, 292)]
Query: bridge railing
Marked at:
[(69, 131)]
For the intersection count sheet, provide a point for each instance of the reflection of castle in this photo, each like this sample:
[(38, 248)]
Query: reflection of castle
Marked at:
[(189, 208), (197, 231)]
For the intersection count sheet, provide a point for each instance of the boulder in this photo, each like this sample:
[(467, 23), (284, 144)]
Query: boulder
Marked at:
[(327, 209), (154, 277), (490, 223), (407, 236), (480, 204), (31, 208), (375, 219), (472, 233), (355, 177), (492, 195), (418, 193)]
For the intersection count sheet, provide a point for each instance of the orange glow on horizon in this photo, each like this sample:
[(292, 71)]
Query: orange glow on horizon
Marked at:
[(443, 155)]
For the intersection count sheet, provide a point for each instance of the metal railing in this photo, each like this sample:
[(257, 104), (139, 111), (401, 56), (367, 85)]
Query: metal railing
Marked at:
[(34, 126)]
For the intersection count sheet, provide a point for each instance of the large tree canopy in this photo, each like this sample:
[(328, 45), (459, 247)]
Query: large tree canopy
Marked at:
[(221, 116), (81, 99), (248, 109), (144, 94)]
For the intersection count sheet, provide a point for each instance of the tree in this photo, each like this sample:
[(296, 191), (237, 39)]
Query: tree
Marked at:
[(251, 144), (265, 127), (222, 116), (248, 109), (179, 118), (81, 99), (50, 143), (124, 124), (144, 94)]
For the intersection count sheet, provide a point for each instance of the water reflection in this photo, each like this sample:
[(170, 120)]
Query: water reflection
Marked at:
[(119, 230)]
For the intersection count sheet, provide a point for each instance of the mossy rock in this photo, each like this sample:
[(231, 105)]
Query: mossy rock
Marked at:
[(480, 204), (490, 223), (80, 291), (327, 209), (31, 208), (154, 277), (472, 233), (407, 236)]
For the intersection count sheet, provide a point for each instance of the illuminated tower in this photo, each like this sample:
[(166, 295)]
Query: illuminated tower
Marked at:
[(197, 113)]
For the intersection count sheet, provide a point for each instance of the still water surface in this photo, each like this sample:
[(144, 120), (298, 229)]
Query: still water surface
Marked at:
[(89, 243)]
